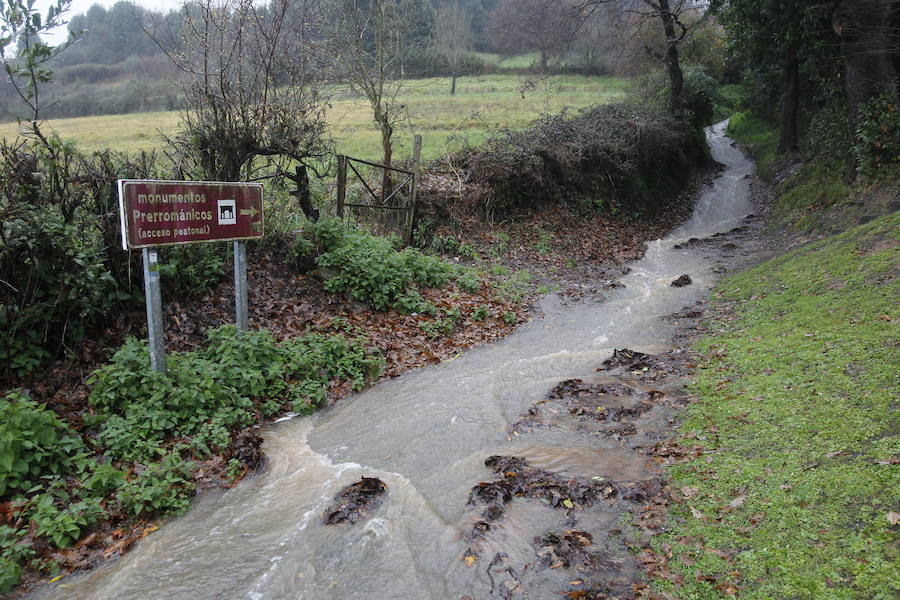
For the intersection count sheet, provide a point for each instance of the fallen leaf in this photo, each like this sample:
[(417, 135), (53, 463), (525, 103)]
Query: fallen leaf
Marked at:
[(737, 502), (697, 514)]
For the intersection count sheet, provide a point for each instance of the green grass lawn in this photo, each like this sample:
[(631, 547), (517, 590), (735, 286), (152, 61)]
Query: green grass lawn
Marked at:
[(796, 492), (481, 104)]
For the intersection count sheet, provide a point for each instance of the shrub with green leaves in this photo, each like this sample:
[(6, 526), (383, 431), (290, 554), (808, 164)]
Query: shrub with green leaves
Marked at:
[(372, 269), (208, 395), (60, 519), (14, 551), (162, 488), (877, 146), (34, 443)]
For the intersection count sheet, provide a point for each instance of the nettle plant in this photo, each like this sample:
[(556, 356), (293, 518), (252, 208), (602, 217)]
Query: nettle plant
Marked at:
[(34, 443), (206, 396), (374, 270)]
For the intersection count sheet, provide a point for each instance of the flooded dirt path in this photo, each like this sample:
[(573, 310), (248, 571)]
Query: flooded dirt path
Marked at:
[(510, 419)]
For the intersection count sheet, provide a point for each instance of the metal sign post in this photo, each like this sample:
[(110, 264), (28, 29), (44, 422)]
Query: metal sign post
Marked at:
[(170, 213), (240, 285), (153, 294)]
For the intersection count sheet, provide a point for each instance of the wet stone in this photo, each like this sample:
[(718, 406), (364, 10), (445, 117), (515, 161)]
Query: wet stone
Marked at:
[(356, 500), (682, 281)]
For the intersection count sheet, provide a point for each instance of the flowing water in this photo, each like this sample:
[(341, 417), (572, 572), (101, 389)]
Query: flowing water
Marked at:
[(426, 435)]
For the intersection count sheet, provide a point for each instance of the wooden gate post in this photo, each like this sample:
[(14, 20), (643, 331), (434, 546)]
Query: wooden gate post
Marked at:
[(341, 184)]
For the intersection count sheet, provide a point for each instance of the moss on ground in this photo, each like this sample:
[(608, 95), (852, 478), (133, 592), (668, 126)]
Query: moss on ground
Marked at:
[(796, 492)]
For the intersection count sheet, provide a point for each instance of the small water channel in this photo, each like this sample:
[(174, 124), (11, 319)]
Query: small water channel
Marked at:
[(426, 435)]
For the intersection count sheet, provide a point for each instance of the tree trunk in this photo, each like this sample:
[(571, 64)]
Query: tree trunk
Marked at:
[(864, 28), (387, 184), (673, 67), (303, 197), (452, 84), (790, 101)]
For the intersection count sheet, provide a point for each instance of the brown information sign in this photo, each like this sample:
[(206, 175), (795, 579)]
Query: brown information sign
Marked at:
[(166, 213)]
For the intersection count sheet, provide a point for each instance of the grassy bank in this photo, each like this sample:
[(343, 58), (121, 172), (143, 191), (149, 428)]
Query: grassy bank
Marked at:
[(795, 494), (480, 104), (813, 194)]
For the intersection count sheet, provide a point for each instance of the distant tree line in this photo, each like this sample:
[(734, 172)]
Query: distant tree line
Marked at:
[(116, 66)]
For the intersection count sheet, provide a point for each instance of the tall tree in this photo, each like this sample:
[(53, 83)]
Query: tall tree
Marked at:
[(776, 35), (546, 26), (867, 37), (675, 18), (370, 40), (251, 80), (453, 37)]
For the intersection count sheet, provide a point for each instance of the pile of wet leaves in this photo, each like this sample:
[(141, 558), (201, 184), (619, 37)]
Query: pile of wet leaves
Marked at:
[(649, 368), (569, 549), (355, 501), (610, 406), (514, 477), (615, 403)]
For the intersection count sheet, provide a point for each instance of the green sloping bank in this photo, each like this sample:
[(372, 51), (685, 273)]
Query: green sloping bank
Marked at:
[(796, 493)]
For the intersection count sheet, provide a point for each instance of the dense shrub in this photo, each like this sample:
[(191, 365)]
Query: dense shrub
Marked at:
[(33, 443), (65, 275), (206, 396), (615, 157), (698, 96), (372, 269), (148, 428), (88, 73), (877, 144)]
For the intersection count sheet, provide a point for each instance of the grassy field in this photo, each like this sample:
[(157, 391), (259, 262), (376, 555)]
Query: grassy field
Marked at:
[(481, 104)]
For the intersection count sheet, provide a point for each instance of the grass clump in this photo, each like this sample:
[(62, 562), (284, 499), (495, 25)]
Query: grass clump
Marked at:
[(800, 198), (795, 496), (760, 138)]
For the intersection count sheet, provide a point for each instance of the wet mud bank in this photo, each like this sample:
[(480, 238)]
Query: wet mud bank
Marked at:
[(531, 468)]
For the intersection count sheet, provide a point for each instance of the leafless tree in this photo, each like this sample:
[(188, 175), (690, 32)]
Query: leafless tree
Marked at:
[(369, 40), (252, 85), (453, 37), (547, 26), (675, 18)]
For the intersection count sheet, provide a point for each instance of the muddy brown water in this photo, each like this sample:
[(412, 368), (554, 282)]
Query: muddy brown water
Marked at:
[(426, 435)]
